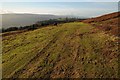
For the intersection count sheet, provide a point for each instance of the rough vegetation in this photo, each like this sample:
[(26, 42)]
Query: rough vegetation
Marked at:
[(69, 50), (109, 23)]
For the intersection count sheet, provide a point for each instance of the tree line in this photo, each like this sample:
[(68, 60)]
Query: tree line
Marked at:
[(39, 24)]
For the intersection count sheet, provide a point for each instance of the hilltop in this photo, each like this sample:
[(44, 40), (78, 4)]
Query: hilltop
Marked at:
[(68, 50)]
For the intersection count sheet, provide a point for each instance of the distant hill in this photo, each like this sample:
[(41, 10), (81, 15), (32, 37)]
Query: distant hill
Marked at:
[(16, 20), (107, 22)]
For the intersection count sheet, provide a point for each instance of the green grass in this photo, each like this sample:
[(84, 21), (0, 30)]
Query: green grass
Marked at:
[(67, 50)]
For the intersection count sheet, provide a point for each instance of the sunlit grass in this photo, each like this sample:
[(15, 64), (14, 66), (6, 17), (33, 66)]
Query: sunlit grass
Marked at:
[(67, 50)]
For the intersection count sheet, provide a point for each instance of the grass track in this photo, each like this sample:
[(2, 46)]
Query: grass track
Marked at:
[(68, 50)]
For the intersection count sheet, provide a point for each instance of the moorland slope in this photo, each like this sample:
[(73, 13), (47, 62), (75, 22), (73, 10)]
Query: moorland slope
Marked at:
[(71, 50)]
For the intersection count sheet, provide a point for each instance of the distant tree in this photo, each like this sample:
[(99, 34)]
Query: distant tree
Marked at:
[(55, 24), (2, 30), (32, 27), (42, 23), (11, 29)]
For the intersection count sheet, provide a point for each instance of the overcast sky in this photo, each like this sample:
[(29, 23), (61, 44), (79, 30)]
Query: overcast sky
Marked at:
[(87, 9)]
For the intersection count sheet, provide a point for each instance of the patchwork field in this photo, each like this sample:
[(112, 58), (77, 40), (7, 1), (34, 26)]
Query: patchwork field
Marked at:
[(74, 50)]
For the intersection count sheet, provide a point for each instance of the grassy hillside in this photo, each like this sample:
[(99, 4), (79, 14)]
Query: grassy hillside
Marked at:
[(108, 23), (68, 50)]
